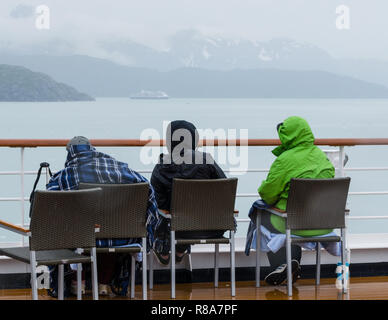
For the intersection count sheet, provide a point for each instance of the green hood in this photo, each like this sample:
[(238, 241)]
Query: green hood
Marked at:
[(292, 132)]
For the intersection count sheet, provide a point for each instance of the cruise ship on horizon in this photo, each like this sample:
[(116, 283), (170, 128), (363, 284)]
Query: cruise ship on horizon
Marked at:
[(146, 94)]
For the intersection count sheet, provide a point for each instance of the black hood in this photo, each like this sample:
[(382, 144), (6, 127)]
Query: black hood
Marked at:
[(184, 131)]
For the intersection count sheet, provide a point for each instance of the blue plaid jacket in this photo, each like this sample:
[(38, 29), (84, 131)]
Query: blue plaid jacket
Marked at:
[(85, 164)]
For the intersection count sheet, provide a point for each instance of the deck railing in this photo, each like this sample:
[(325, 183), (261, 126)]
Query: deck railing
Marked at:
[(22, 144)]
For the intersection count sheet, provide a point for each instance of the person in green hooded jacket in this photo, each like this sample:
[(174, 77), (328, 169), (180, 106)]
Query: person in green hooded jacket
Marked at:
[(297, 157)]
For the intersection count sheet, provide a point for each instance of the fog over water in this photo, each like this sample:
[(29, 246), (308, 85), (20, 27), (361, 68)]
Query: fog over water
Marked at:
[(80, 25)]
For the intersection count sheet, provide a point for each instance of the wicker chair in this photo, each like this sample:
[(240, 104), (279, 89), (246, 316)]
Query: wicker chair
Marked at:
[(122, 214), (312, 204), (61, 221), (203, 205)]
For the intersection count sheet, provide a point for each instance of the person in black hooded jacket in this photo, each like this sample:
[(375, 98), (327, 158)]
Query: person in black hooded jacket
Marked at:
[(185, 162)]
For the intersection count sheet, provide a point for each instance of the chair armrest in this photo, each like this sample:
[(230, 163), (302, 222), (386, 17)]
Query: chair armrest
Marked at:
[(275, 212), (14, 228)]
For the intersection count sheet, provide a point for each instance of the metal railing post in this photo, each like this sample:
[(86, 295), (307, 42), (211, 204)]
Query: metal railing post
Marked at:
[(341, 172), (341, 169), (22, 189)]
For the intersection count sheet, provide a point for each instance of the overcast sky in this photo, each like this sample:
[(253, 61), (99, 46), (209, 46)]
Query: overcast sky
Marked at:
[(81, 23)]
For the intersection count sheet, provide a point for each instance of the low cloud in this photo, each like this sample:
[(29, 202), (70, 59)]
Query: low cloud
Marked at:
[(22, 11)]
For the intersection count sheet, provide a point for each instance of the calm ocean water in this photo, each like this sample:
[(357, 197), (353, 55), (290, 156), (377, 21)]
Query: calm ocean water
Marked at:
[(124, 118)]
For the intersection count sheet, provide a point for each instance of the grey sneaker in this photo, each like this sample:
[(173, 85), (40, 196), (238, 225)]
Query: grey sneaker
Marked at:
[(178, 259), (164, 261), (278, 276)]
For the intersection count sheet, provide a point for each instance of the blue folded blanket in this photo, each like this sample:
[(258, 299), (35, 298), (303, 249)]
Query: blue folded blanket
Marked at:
[(274, 241)]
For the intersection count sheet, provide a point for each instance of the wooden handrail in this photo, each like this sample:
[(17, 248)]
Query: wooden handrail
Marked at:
[(13, 227), (33, 143)]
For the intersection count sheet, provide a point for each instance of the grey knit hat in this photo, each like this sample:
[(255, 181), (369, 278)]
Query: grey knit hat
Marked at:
[(77, 141)]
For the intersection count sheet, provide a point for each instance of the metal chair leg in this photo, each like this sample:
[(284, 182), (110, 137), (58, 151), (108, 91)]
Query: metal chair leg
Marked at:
[(343, 254), (347, 249), (216, 263), (151, 271), (173, 264), (258, 248), (79, 281), (34, 282), (190, 263), (289, 265), (232, 264), (144, 258), (61, 282), (318, 260), (94, 274), (133, 265)]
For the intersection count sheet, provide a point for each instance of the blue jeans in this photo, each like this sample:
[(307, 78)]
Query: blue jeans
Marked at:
[(279, 258)]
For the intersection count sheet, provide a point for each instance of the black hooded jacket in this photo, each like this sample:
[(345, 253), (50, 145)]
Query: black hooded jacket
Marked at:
[(182, 161)]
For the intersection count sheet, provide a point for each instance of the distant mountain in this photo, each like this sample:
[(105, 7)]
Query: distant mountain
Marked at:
[(193, 49), (263, 83), (96, 77), (278, 68), (21, 84), (366, 69), (190, 49), (106, 79)]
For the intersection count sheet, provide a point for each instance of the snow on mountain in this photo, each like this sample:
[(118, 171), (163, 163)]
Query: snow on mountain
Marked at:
[(188, 48), (193, 49)]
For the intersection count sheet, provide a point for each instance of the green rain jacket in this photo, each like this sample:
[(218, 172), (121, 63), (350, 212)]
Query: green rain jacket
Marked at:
[(297, 157)]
